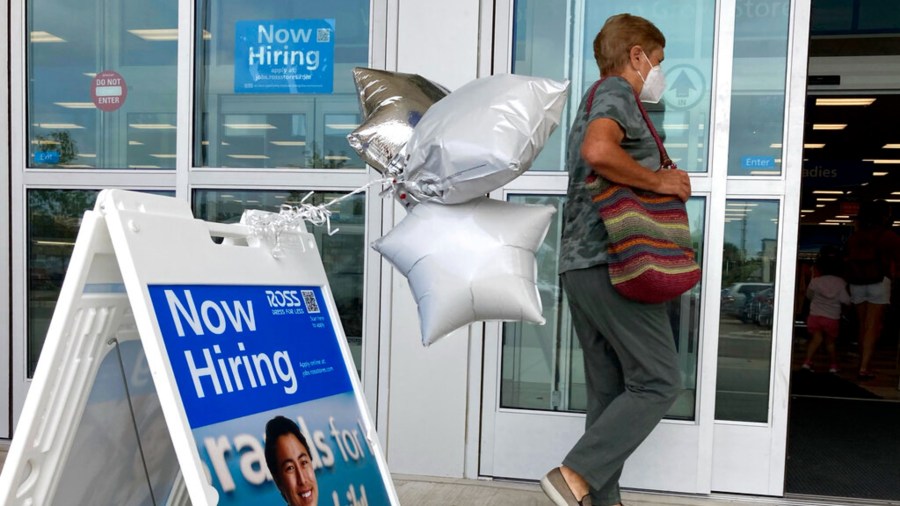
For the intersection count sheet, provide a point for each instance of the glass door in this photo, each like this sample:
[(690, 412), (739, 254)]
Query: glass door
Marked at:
[(534, 387)]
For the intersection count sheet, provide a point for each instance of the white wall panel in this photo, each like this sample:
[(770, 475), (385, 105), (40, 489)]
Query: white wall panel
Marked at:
[(427, 392), (5, 309)]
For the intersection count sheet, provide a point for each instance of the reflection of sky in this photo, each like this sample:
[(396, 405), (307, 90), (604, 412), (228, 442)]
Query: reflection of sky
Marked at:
[(757, 225)]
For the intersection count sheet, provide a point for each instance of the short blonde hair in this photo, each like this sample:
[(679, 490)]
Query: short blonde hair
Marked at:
[(619, 34)]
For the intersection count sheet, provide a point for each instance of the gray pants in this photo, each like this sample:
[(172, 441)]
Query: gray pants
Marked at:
[(632, 375)]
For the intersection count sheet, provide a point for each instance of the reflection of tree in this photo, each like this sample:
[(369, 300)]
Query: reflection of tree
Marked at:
[(57, 213), (59, 141), (736, 267), (321, 161)]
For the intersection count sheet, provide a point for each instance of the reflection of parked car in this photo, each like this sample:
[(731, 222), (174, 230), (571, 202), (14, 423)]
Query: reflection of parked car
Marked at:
[(758, 306), (735, 296)]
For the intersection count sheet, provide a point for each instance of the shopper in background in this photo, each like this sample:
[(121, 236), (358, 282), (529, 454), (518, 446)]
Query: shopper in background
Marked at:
[(873, 250), (827, 293)]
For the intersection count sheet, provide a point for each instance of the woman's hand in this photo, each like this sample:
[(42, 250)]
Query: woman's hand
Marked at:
[(673, 182)]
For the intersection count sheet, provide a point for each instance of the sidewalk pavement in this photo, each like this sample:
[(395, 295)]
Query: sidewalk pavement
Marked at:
[(432, 491)]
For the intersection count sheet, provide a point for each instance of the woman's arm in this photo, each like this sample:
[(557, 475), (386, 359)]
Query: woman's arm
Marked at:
[(603, 151)]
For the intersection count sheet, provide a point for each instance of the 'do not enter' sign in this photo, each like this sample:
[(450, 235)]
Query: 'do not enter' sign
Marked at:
[(108, 90)]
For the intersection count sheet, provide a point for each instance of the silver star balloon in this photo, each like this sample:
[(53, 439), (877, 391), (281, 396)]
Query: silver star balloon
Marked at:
[(392, 104), (469, 262)]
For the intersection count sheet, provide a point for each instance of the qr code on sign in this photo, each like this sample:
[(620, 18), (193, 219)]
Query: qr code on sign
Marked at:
[(323, 35), (309, 300)]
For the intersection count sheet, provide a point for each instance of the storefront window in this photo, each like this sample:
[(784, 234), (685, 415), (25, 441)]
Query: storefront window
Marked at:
[(101, 84), (555, 39), (274, 83), (758, 84), (53, 220), (747, 310), (543, 365), (342, 253)]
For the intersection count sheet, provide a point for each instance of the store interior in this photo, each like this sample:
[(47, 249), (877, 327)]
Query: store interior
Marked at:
[(844, 430)]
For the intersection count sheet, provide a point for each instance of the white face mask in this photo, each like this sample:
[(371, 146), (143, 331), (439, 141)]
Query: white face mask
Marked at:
[(654, 84)]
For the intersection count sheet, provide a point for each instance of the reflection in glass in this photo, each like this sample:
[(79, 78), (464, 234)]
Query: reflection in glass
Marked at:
[(342, 253), (758, 84), (747, 305), (543, 46), (284, 128), (52, 222), (69, 45), (542, 367), (54, 217)]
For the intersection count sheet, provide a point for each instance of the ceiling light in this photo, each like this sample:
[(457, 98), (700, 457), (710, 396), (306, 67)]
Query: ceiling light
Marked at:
[(54, 243), (813, 146), (775, 146), (143, 166), (807, 210), (829, 126), (891, 146), (59, 126), (829, 192), (844, 101), (823, 199), (163, 155), (152, 126), (76, 105), (828, 223), (820, 205), (251, 126), (879, 173), (156, 34), (893, 201), (135, 143), (342, 126), (881, 161), (289, 143), (337, 157), (249, 157), (40, 36), (675, 126)]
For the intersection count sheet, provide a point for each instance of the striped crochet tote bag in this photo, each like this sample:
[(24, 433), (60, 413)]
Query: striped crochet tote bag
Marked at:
[(650, 256)]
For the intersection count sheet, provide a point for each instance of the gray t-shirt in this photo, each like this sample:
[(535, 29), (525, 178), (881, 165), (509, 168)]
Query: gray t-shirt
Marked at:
[(584, 238)]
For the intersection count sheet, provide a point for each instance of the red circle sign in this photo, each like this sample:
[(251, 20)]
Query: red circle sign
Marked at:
[(108, 90)]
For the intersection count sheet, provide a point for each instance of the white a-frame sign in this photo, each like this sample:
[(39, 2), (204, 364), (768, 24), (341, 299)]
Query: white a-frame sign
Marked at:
[(181, 370)]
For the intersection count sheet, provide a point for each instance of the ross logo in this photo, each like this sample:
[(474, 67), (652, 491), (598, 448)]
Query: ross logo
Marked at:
[(283, 298)]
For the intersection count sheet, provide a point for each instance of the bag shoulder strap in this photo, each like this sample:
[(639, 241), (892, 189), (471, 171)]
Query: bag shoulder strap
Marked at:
[(664, 159)]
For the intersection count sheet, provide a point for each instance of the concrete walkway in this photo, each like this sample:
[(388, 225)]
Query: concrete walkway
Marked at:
[(429, 491)]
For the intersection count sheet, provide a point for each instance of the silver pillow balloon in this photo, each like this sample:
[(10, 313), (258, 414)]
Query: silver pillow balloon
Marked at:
[(480, 137), (392, 103)]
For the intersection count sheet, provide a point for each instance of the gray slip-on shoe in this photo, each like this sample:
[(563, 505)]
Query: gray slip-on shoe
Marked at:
[(554, 485)]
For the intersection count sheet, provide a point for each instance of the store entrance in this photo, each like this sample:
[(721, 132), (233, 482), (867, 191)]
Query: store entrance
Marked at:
[(844, 427)]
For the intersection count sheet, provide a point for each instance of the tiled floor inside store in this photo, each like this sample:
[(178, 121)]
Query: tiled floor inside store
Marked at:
[(885, 364)]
